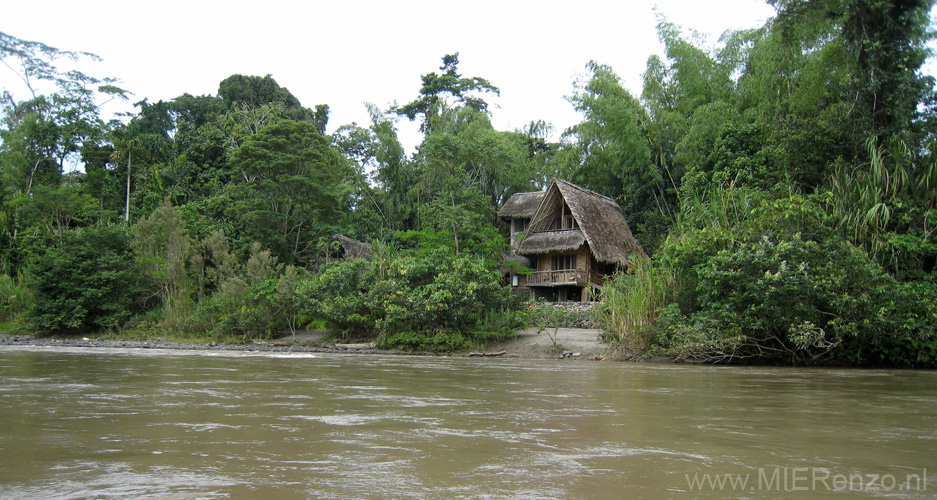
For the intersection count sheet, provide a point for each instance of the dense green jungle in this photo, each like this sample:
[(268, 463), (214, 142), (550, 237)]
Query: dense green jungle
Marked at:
[(783, 182)]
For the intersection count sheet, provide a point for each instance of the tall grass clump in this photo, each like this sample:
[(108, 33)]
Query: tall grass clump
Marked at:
[(630, 301), (13, 297)]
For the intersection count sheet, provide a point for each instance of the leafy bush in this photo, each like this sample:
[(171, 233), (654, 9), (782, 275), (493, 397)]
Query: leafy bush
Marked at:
[(793, 300), (342, 296), (448, 300), (442, 292), (725, 220), (421, 341), (88, 281), (502, 324), (254, 300), (908, 336)]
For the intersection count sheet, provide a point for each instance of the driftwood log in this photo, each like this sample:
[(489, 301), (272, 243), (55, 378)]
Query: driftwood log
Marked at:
[(479, 354)]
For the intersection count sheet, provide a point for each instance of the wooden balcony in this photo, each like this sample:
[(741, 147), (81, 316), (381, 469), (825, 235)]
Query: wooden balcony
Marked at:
[(554, 278), (563, 277)]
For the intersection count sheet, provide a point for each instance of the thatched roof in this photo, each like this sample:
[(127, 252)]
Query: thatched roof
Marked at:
[(601, 224), (521, 205), (353, 249), (552, 241)]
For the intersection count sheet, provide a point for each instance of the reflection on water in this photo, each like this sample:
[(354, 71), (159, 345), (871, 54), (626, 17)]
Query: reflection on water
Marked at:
[(88, 423)]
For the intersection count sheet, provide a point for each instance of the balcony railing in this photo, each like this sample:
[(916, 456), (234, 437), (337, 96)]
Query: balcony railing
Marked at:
[(550, 278), (563, 277)]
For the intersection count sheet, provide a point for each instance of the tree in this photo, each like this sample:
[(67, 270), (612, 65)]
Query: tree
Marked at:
[(445, 90), (57, 209), (466, 149), (99, 180), (254, 91), (381, 204), (28, 152), (881, 45), (612, 156), (689, 97), (47, 130), (291, 182), (162, 250), (42, 136), (87, 282), (395, 175), (256, 101)]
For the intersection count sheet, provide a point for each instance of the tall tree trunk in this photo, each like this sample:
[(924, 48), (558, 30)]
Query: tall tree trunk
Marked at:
[(127, 204), (455, 229), (32, 174)]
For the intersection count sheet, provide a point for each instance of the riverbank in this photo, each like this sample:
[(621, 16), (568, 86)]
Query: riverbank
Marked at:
[(568, 343)]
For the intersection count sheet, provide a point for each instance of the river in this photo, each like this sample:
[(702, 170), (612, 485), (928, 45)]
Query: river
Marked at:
[(122, 423)]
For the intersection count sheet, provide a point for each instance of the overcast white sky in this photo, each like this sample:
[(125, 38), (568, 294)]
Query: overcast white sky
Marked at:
[(344, 53)]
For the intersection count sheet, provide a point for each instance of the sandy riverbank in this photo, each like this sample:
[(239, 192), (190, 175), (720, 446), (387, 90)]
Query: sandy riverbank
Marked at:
[(582, 342)]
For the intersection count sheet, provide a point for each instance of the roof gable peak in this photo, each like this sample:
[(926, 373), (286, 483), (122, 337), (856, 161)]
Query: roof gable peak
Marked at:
[(599, 222), (584, 190)]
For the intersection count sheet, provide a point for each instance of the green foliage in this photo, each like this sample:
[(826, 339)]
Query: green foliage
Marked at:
[(770, 279), (294, 183), (436, 296), (395, 174), (612, 153), (342, 296), (57, 209), (379, 158), (445, 90), (888, 43), (458, 222), (785, 180), (89, 281), (418, 341), (40, 135), (736, 157), (782, 293), (224, 297), (31, 148), (442, 294), (630, 302), (911, 329), (466, 152), (724, 219), (254, 91), (266, 307), (796, 301), (14, 296), (502, 324), (884, 206), (163, 250)]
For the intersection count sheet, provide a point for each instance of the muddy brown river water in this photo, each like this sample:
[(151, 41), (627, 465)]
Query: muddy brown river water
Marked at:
[(112, 423)]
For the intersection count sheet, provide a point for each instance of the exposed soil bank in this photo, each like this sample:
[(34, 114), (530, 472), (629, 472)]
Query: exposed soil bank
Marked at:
[(576, 343), (585, 343)]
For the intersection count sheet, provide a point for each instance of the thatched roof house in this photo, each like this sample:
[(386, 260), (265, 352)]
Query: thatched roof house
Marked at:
[(599, 220), (572, 236)]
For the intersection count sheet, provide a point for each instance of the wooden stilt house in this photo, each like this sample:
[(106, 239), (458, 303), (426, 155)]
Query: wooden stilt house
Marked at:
[(572, 238)]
